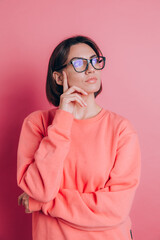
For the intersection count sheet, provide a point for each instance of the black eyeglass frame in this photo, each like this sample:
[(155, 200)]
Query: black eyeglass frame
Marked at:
[(88, 61)]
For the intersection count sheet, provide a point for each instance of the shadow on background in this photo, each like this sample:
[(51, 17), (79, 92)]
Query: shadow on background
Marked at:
[(19, 100)]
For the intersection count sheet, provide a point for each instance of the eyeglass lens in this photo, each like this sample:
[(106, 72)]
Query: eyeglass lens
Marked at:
[(81, 64)]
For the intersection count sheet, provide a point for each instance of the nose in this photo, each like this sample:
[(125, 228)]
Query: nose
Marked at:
[(90, 68)]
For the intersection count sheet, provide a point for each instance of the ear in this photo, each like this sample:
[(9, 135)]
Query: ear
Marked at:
[(58, 77)]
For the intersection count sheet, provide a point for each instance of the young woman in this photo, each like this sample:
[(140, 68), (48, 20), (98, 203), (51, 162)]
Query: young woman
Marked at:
[(78, 163)]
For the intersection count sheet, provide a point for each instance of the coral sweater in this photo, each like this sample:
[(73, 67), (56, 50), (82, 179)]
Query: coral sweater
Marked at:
[(80, 175)]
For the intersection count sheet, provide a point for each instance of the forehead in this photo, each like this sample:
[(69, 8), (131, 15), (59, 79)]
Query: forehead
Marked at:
[(81, 50)]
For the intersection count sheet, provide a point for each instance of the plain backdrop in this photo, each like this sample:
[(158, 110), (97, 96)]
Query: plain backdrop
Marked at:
[(128, 33)]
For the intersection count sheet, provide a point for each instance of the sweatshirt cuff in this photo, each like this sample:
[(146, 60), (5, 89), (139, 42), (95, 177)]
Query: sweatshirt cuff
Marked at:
[(63, 119), (34, 205)]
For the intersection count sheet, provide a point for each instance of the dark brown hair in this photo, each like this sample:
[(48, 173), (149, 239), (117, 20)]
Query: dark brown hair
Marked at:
[(58, 58)]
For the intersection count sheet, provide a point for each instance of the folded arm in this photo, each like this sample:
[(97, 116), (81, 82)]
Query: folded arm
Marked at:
[(107, 207)]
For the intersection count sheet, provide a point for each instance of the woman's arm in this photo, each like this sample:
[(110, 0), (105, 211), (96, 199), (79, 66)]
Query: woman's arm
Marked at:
[(40, 158), (107, 207)]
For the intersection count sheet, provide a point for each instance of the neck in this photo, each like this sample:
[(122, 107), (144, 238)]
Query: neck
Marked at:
[(89, 111)]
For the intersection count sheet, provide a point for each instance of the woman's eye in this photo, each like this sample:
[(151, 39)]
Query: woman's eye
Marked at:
[(78, 63), (95, 60)]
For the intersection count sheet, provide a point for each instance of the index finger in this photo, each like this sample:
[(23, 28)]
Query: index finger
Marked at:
[(65, 83)]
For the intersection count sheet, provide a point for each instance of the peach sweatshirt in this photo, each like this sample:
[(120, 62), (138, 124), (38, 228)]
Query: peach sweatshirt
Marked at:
[(81, 175)]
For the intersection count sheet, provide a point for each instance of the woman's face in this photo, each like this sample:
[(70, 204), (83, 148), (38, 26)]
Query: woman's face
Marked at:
[(79, 79)]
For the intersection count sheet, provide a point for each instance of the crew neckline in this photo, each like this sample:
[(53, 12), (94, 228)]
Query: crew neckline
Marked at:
[(91, 119)]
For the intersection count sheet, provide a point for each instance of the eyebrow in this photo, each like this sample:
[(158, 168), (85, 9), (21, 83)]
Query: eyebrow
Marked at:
[(93, 56), (82, 57)]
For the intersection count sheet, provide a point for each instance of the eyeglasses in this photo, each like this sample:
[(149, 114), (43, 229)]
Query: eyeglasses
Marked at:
[(81, 64)]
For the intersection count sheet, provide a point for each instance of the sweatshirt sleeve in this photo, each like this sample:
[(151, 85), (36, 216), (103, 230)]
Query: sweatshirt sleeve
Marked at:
[(40, 158), (107, 207)]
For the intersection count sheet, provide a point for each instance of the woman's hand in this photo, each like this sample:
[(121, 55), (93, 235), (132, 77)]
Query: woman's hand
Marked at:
[(23, 200), (69, 98)]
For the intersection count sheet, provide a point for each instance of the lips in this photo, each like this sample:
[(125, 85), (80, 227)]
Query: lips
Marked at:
[(93, 79)]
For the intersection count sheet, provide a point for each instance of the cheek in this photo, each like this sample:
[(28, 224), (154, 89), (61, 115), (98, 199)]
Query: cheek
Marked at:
[(74, 78), (99, 74)]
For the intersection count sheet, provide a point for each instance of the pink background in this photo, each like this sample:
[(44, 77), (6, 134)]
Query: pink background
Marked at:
[(128, 32)]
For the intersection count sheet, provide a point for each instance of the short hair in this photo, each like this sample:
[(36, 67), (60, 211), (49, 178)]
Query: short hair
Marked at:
[(58, 58)]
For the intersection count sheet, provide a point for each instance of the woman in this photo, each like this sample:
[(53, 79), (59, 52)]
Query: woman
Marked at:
[(78, 164)]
